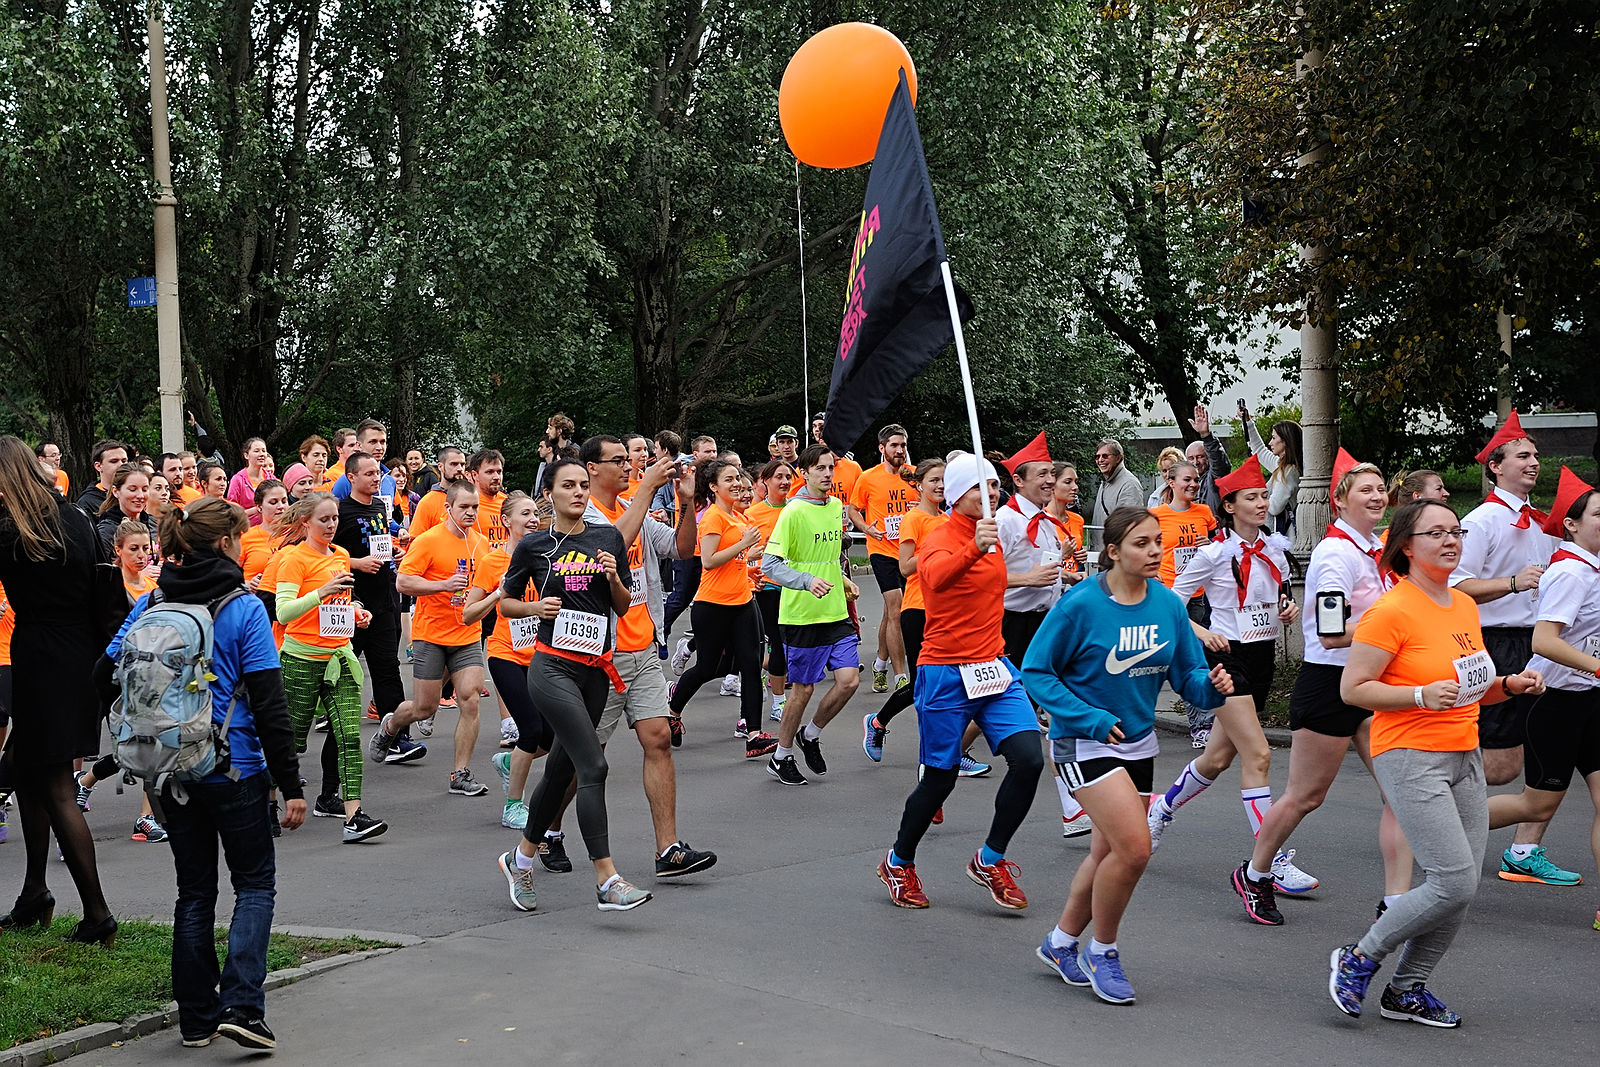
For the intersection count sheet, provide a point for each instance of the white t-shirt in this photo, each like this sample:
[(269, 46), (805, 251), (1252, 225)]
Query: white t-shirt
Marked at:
[(1567, 596), (1022, 556), (1211, 569), (1495, 548), (1337, 566)]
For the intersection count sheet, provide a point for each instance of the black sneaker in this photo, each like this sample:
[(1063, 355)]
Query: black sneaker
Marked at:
[(361, 826), (328, 808), (681, 860), (785, 771), (812, 751), (251, 1033), (1260, 903), (553, 854)]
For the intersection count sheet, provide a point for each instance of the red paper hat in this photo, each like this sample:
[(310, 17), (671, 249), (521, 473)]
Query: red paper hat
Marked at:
[(1035, 451), (1570, 488), (1246, 476), (1342, 465), (1510, 430)]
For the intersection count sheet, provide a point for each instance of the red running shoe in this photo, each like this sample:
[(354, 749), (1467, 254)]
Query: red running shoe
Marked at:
[(905, 888), (1000, 880)]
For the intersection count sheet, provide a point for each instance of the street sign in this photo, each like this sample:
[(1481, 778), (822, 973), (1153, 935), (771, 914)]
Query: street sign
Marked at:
[(141, 292)]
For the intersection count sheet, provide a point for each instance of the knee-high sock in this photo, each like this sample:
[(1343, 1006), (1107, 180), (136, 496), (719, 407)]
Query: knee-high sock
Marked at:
[(1190, 784), (1257, 802)]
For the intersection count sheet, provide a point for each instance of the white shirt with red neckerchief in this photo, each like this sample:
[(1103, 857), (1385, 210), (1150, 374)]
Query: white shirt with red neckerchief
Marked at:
[(1495, 548)]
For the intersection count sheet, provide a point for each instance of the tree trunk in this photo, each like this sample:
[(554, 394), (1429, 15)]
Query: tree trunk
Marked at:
[(656, 403), (405, 341), (1319, 376)]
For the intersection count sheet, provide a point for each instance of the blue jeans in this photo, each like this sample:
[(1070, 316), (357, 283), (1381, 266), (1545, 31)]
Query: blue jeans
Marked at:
[(685, 584), (236, 814)]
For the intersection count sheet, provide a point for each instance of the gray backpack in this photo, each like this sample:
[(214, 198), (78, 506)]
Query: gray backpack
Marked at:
[(162, 723)]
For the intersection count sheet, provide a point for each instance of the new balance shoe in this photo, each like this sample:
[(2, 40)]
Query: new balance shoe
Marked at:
[(1259, 902), (731, 686), (83, 790), (971, 768), (880, 679), (785, 771), (681, 654), (1288, 878), (759, 744), (905, 888), (811, 749), (553, 854), (1536, 868), (680, 860), (1076, 826), (425, 726), (1158, 819), (620, 896), (514, 816), (509, 734), (145, 828), (872, 735), (519, 882), (328, 808), (462, 784), (501, 761), (1063, 961), (1349, 975), (404, 750), (999, 879), (1104, 972), (362, 827), (1416, 1005)]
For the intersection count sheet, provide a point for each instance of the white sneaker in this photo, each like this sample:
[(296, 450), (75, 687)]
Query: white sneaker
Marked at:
[(1159, 819), (1076, 826), (425, 726), (1287, 878), (776, 714), (508, 733), (680, 656), (730, 686)]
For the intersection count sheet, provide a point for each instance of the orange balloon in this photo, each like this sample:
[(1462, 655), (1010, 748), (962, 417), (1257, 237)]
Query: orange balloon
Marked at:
[(836, 91)]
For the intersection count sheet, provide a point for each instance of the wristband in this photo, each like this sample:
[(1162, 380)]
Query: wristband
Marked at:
[(1513, 583), (1416, 695)]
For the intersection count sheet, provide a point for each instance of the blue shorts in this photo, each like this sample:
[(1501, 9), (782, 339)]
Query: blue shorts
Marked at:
[(944, 709), (808, 666)]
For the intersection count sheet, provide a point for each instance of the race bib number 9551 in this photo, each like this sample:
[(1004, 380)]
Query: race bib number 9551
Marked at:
[(984, 679)]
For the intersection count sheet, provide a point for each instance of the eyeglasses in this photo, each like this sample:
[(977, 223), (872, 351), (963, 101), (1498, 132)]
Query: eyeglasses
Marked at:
[(1438, 535), (621, 461), (1103, 455)]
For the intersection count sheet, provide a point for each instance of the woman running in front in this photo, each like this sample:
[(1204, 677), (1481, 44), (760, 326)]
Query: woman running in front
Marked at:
[(1419, 664), (1244, 574), (581, 581), (510, 651), (1562, 729), (776, 478), (1343, 572), (312, 593), (1095, 667)]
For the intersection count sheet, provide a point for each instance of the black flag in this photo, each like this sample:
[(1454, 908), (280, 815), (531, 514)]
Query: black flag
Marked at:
[(896, 318)]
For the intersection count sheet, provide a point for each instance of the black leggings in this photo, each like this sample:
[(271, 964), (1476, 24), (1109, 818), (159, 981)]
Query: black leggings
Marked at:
[(1024, 761), (572, 697), (767, 603), (912, 623), (720, 629), (511, 682)]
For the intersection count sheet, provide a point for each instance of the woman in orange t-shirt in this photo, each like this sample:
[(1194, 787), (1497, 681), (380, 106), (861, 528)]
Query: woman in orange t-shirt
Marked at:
[(776, 478), (724, 613), (918, 523), (260, 542), (1419, 664), (1185, 525)]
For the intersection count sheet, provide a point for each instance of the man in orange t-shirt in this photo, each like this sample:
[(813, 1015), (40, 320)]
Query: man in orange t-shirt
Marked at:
[(486, 470), (345, 443), (430, 509), (880, 499)]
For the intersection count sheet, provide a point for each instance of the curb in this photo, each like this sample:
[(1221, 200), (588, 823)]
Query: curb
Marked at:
[(95, 1036), (1170, 722)]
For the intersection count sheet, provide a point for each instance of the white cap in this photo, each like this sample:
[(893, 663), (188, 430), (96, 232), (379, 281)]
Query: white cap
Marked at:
[(962, 474)]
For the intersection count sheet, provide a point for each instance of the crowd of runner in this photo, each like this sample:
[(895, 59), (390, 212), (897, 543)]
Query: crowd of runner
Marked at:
[(1452, 654)]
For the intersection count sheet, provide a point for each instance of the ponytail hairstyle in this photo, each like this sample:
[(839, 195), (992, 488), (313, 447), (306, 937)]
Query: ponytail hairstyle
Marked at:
[(30, 505), (268, 485), (706, 473), (292, 529), (1407, 487), (549, 481), (128, 528), (199, 527), (513, 498), (1119, 524)]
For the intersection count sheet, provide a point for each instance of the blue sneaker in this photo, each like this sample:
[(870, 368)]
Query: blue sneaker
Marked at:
[(872, 737), (1104, 972), (971, 768), (1064, 961), (403, 750), (1348, 978), (1416, 1005), (1536, 868), (502, 767)]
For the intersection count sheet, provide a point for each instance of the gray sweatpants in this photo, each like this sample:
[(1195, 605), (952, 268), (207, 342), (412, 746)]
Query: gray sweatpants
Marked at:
[(1441, 804)]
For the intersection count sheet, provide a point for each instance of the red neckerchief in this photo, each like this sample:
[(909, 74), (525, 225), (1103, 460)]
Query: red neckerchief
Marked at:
[(1385, 577), (1526, 517), (1562, 554), (1255, 552), (1033, 523)]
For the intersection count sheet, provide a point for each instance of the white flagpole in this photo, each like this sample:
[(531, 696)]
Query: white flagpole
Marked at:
[(805, 342), (966, 373)]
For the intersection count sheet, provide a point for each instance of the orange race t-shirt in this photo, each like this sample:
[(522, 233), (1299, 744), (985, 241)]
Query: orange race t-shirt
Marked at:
[(329, 476), (187, 494), (8, 623), (63, 483), (137, 590), (846, 472), (269, 585), (255, 548), (307, 569), (884, 498), (763, 515), (636, 631), (1181, 533), (490, 523), (729, 583), (430, 512), (490, 570), (913, 528), (1427, 643), (1074, 524), (435, 556)]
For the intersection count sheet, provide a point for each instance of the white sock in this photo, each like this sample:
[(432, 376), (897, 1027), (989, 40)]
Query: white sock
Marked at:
[(880, 664), (1070, 809), (900, 678), (609, 881), (524, 863), (1059, 938), (1257, 802), (811, 731), (780, 753), (1255, 875), (777, 701), (1099, 948), (553, 835), (1522, 852), (1389, 900)]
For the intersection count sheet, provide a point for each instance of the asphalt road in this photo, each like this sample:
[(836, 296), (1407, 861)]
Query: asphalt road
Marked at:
[(789, 950)]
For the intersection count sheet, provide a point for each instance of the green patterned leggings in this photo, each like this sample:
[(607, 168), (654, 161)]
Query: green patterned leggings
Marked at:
[(304, 687)]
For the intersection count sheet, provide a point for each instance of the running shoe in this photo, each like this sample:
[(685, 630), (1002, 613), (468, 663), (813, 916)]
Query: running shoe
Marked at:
[(1383, 906), (776, 712), (445, 704), (1076, 826), (1259, 902), (1159, 819), (425, 726), (785, 771), (519, 882), (509, 735), (971, 768), (902, 680), (328, 808), (514, 816), (145, 828), (1350, 973), (675, 730), (621, 896), (812, 751), (1104, 972), (483, 692), (83, 790), (1000, 880), (409, 651), (681, 654), (905, 888), (1063, 961), (880, 679), (872, 735), (404, 750), (275, 817), (730, 686), (372, 713), (381, 743), (462, 784), (248, 1031), (938, 816), (1536, 868), (3, 829), (740, 729), (681, 860), (1416, 1005), (361, 827), (1199, 737), (502, 768), (1288, 878), (322, 724), (759, 744), (553, 854), (201, 1040)]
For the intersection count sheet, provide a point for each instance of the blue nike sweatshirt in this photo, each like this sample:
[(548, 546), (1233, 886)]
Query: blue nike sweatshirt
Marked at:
[(1095, 663)]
